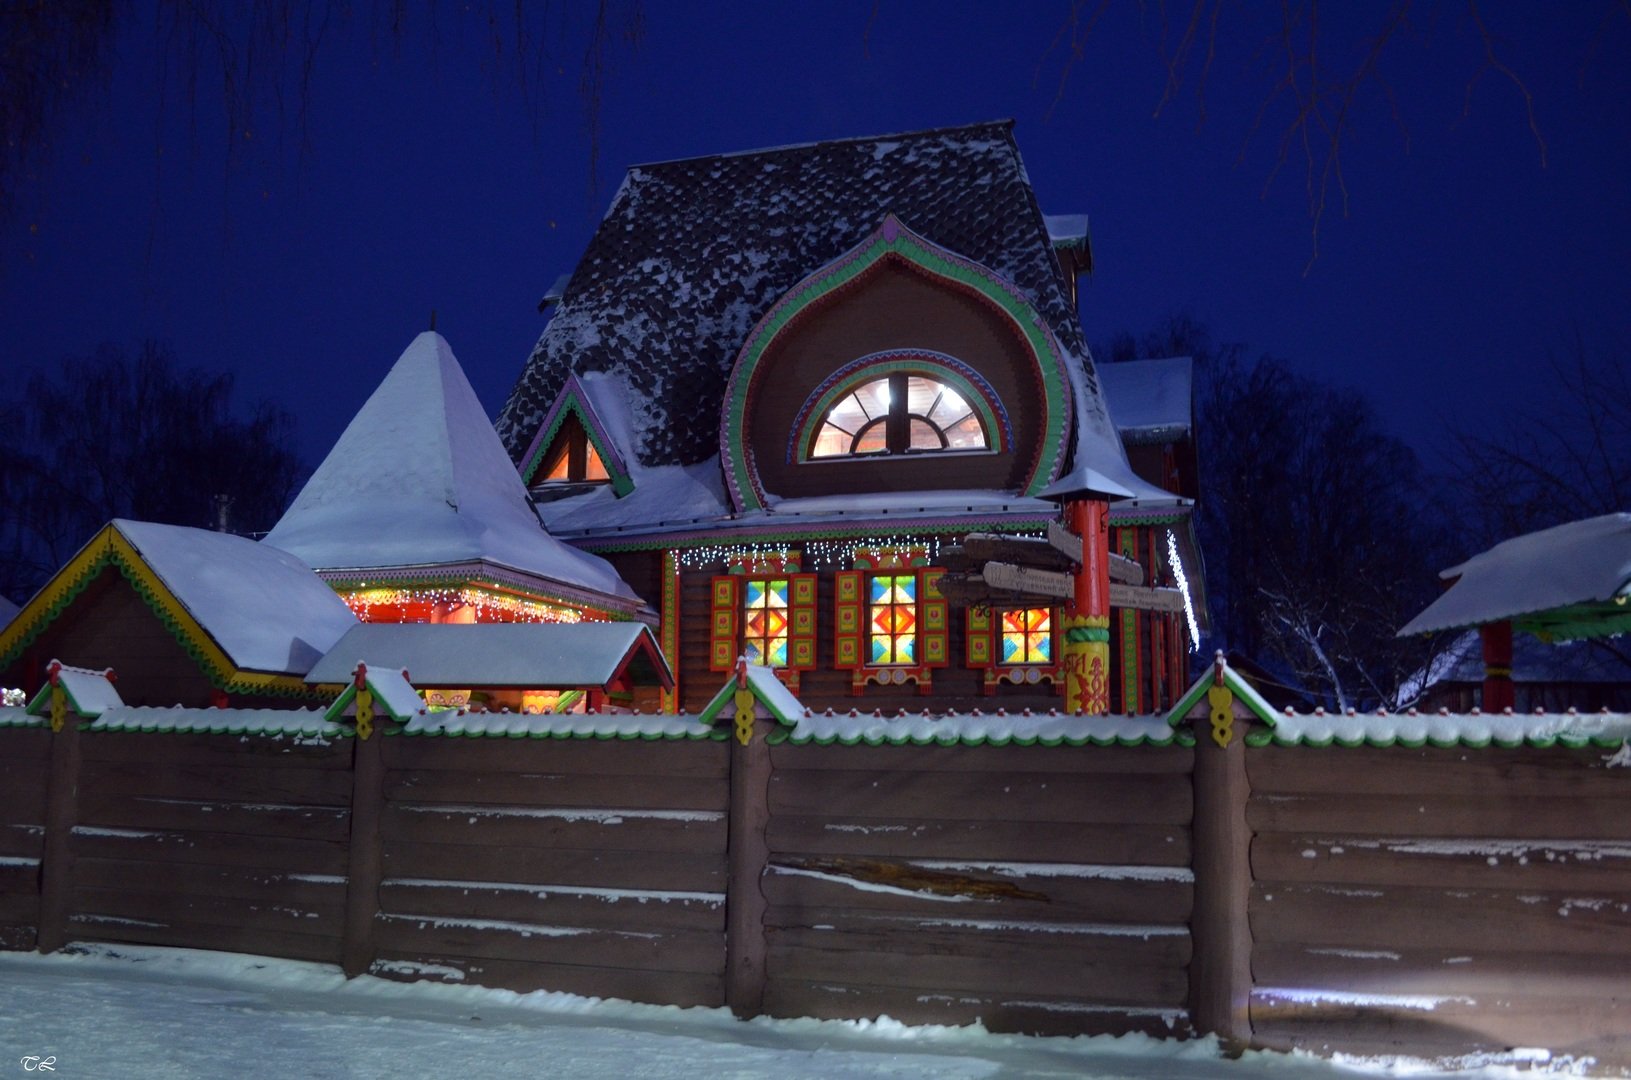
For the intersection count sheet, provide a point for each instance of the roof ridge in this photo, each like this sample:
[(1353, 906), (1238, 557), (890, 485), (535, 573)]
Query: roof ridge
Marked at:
[(1005, 124)]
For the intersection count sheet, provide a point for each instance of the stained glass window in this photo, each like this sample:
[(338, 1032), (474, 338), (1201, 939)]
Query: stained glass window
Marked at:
[(892, 619), (1027, 636), (764, 621)]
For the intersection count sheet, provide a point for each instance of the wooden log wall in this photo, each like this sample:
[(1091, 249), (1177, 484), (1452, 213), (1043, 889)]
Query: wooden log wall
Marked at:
[(25, 768), (587, 866), (222, 842), (1036, 889), (1454, 900)]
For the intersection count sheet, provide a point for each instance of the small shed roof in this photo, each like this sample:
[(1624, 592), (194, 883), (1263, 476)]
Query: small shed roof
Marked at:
[(1570, 581), (90, 693), (1150, 400), (534, 656)]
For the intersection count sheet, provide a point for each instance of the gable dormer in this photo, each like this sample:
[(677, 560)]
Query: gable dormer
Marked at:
[(900, 366), (573, 449)]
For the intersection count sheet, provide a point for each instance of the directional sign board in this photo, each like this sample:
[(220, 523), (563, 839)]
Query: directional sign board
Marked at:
[(1125, 570), (1027, 580), (1142, 599), (1065, 540)]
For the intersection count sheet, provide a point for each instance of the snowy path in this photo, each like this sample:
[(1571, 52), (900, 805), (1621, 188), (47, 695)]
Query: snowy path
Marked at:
[(147, 1012)]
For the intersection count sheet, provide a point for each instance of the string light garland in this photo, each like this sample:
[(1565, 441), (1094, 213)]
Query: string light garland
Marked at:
[(1183, 587), (508, 606), (822, 553)]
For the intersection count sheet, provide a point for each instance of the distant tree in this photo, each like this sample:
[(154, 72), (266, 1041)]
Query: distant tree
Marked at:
[(1318, 529), (1565, 457), (114, 435)]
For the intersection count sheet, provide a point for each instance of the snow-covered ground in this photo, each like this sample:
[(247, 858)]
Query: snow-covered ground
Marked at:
[(132, 1011)]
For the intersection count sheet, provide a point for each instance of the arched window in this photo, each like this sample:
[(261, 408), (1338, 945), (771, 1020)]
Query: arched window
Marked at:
[(900, 413)]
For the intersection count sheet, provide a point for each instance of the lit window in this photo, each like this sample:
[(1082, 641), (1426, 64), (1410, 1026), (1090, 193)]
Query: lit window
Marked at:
[(764, 621), (898, 414), (892, 611), (1027, 636), (574, 459)]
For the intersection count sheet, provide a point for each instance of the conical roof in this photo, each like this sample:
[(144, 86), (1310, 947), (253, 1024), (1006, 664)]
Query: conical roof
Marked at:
[(419, 480)]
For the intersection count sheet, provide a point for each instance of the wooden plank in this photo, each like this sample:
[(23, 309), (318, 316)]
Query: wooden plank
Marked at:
[(1018, 841), (661, 870), (1475, 864), (1092, 760), (20, 877), (25, 841), (22, 788), (321, 920), (899, 886), (1030, 1014), (1117, 800), (556, 789), (224, 751), (1491, 772), (291, 946), (1069, 545), (210, 815), (322, 787), (1112, 944), (19, 907), (664, 950), (590, 757), (247, 883), (212, 849), (1468, 921), (18, 937), (654, 986), (612, 830), (978, 962), (608, 909), (1442, 971), (1486, 1024), (25, 744), (1441, 816)]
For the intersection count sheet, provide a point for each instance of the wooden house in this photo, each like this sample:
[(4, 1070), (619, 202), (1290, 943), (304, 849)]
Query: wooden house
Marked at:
[(782, 386)]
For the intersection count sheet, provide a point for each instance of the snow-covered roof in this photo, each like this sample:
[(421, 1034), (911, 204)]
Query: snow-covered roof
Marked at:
[(300, 722), (1150, 400), (419, 479), (557, 725), (529, 655), (994, 728), (693, 253), (1582, 562), (1067, 230), (265, 608), (1446, 729)]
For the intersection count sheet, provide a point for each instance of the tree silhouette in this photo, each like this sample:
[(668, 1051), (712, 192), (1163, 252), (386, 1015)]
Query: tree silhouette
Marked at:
[(114, 435)]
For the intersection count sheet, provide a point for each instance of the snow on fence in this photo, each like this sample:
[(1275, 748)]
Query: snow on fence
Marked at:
[(1420, 899)]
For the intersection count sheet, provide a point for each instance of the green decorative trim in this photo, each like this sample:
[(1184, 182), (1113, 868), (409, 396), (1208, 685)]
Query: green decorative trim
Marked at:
[(1177, 738), (571, 400), (129, 727), (1241, 689), (893, 240), (20, 719), (1567, 742), (702, 733), (1078, 634)]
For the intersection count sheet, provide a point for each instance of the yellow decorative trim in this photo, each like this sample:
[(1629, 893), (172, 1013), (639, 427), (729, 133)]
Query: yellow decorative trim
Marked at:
[(744, 715), (1221, 698), (109, 547)]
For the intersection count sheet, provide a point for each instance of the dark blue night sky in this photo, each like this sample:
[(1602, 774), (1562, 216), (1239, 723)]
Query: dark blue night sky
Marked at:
[(1462, 264)]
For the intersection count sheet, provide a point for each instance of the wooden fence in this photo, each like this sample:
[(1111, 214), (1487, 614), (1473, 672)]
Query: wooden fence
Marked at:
[(1364, 899)]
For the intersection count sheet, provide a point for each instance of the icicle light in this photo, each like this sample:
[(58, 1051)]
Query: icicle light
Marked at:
[(1183, 587), (509, 607)]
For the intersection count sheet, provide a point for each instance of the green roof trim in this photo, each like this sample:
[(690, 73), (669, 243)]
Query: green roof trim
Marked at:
[(585, 736), (1238, 686), (1178, 737), (1476, 742), (131, 727)]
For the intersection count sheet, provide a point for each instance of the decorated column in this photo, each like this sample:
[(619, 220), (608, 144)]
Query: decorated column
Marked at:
[(1086, 623)]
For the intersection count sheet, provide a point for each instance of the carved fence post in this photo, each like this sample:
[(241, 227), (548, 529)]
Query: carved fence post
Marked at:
[(749, 853), (61, 815), (365, 857), (1220, 973)]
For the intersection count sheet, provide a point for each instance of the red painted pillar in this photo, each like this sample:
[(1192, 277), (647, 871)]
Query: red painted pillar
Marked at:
[(1086, 622), (1497, 641)]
